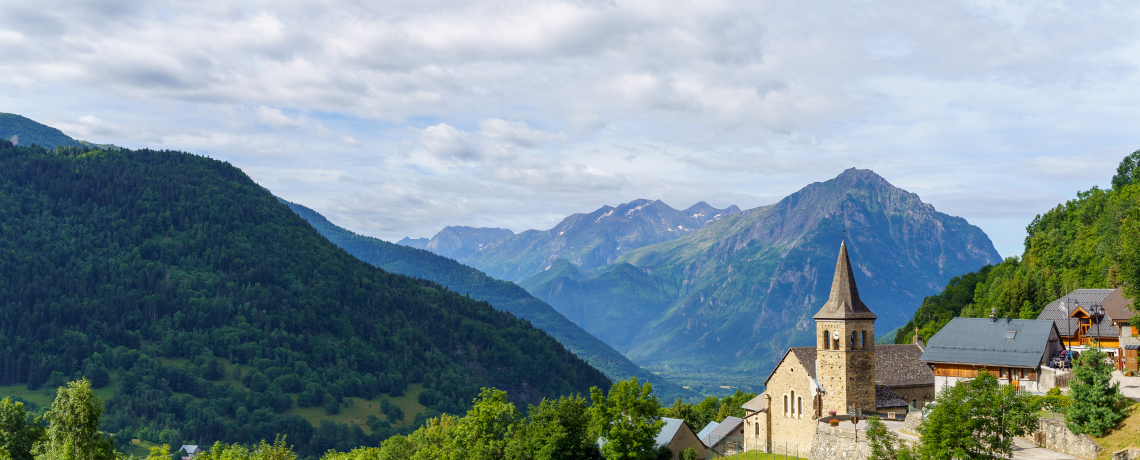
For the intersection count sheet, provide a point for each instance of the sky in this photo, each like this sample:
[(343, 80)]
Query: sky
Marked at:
[(397, 118)]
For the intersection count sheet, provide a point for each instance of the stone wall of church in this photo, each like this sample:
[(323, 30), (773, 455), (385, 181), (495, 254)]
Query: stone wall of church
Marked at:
[(756, 431), (921, 394), (831, 443), (791, 427)]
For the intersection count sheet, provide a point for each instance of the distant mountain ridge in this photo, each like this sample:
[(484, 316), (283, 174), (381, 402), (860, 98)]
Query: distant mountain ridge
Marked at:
[(592, 240), (503, 295), (728, 298), (458, 242), (28, 132)]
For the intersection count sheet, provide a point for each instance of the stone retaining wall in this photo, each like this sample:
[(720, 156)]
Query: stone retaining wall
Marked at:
[(839, 443), (913, 419), (1126, 454), (1054, 435)]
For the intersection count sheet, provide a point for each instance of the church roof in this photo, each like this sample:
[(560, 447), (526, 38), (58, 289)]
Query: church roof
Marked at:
[(895, 365), (844, 303), (887, 399)]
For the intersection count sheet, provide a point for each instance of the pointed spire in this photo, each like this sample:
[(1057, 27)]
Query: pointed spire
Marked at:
[(844, 301)]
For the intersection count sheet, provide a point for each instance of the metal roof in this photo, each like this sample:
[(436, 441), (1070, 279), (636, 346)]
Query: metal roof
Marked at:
[(725, 428), (665, 436), (705, 432), (983, 341), (756, 404), (1083, 298)]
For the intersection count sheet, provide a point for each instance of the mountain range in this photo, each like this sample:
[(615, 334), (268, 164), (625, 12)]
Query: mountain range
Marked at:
[(717, 295), (503, 295), (458, 242)]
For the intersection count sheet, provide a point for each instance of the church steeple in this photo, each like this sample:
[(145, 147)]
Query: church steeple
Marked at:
[(844, 301)]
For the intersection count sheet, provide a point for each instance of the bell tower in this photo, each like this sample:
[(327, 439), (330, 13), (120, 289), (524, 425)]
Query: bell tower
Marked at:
[(845, 344)]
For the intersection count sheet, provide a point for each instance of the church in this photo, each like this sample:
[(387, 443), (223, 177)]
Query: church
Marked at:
[(844, 369)]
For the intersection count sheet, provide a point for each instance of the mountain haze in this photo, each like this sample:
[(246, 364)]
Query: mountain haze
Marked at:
[(458, 242), (729, 298), (592, 240), (503, 295)]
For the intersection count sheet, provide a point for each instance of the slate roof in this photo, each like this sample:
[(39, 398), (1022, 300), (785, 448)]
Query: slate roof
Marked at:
[(983, 341), (895, 365), (844, 302), (901, 365), (190, 449), (887, 399), (722, 430), (705, 432), (1084, 298)]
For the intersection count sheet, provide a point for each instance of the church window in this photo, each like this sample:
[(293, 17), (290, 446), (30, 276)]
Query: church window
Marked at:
[(826, 340), (800, 407), (863, 339), (785, 405), (758, 429), (852, 340)]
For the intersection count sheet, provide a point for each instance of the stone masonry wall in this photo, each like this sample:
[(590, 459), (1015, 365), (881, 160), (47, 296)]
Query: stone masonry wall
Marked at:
[(913, 420), (1054, 435), (831, 443), (1126, 454)]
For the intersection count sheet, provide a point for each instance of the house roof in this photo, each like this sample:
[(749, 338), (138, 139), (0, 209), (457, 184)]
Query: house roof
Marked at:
[(706, 430), (1117, 306), (190, 448), (844, 302), (984, 341), (895, 365), (900, 365), (756, 404), (1084, 298), (722, 430), (669, 431), (887, 399)]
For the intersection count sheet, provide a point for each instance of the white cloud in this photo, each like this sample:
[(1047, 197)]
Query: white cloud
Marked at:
[(519, 112)]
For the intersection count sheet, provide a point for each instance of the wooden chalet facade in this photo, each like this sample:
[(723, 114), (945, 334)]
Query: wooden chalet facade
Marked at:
[(1088, 318)]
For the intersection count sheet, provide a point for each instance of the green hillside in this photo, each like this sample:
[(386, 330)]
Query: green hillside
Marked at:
[(30, 132), (1092, 241), (720, 305), (115, 264), (503, 295)]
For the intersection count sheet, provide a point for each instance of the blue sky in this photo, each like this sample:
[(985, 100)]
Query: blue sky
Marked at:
[(397, 118)]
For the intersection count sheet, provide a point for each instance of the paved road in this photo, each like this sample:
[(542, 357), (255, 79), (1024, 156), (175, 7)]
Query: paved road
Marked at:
[(1129, 386)]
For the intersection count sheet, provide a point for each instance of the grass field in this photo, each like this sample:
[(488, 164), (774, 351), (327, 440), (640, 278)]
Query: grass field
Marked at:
[(353, 410), (756, 455), (1124, 436)]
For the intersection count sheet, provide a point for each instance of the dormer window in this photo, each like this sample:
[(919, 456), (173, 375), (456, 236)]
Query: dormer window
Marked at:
[(1010, 334)]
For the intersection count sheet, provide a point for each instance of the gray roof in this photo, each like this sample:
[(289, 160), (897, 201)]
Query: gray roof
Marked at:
[(723, 430), (895, 365), (190, 448), (705, 431), (900, 365), (983, 341), (665, 436), (844, 303), (1083, 298), (756, 404), (887, 399)]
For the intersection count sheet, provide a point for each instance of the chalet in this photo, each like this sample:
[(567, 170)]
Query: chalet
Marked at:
[(1088, 318), (1017, 351)]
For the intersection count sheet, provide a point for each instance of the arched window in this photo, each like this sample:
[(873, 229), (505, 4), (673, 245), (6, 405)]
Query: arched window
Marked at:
[(800, 407), (826, 340), (785, 405), (757, 429), (863, 339), (853, 340)]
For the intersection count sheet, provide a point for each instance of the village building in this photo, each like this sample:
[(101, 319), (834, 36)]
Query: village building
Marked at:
[(1088, 318), (724, 438), (844, 371), (678, 436), (1017, 351)]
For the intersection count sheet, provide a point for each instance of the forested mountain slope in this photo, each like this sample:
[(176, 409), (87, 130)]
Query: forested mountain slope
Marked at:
[(592, 240), (28, 132), (503, 295), (118, 260), (728, 299), (1092, 241)]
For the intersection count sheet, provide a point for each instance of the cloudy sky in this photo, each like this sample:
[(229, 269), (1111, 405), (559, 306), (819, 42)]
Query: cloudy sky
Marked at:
[(397, 118)]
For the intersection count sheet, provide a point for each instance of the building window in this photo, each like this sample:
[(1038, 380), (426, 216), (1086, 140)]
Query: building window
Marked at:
[(863, 339), (852, 340), (800, 407), (1001, 372), (757, 429), (785, 405), (826, 340), (793, 403)]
